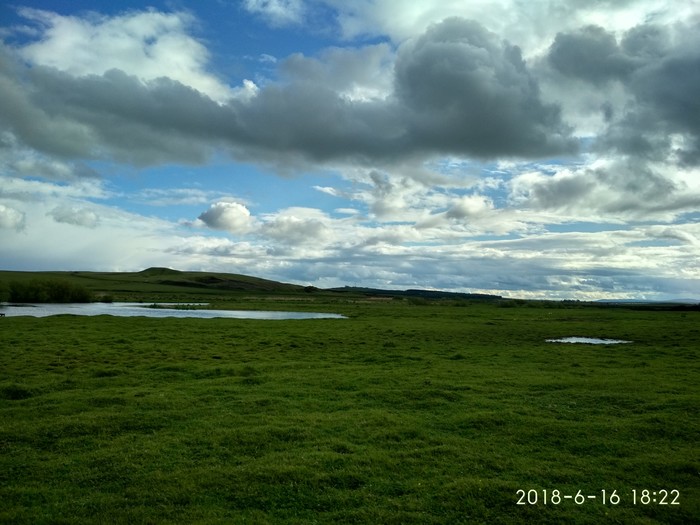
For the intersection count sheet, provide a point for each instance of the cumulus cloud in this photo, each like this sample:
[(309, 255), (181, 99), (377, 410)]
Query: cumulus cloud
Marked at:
[(298, 226), (591, 54), (470, 206), (11, 218), (75, 215), (230, 216), (658, 69), (479, 100), (470, 93), (113, 116), (362, 73), (147, 45), (531, 25)]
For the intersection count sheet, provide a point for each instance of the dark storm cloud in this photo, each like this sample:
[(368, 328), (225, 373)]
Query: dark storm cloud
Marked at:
[(310, 122), (456, 89), (669, 103), (590, 54), (659, 67), (465, 91)]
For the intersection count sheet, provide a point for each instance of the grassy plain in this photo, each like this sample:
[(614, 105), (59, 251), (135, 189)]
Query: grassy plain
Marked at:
[(427, 414)]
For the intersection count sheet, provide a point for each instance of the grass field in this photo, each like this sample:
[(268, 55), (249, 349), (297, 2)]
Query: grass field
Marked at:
[(401, 413)]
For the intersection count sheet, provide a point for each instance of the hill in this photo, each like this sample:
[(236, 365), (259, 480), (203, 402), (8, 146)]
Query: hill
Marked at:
[(158, 282)]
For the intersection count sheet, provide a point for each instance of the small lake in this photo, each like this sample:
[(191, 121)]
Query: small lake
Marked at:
[(588, 341), (147, 310)]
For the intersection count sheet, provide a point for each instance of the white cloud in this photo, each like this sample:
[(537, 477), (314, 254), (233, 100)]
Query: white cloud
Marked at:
[(148, 45), (118, 241), (470, 206), (609, 190), (356, 74), (277, 12), (230, 216), (298, 226), (530, 25), (11, 218)]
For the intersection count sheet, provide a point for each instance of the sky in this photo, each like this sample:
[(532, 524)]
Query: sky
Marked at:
[(526, 148)]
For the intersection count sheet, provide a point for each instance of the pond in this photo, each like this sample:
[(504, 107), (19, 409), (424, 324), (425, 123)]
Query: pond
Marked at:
[(588, 341), (152, 310)]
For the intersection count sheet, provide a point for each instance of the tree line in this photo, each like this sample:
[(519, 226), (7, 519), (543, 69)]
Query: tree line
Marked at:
[(46, 291)]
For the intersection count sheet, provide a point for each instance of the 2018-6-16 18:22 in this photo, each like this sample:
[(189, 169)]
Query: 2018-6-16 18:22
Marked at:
[(636, 497)]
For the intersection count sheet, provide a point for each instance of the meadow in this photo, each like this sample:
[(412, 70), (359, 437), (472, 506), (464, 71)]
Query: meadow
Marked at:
[(425, 412)]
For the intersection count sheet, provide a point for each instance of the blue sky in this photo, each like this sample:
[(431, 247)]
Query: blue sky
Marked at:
[(544, 149)]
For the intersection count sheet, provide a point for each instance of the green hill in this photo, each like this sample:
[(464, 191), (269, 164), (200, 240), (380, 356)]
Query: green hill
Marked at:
[(156, 282), (165, 284)]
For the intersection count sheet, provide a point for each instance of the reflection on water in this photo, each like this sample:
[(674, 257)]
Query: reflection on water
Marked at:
[(588, 340), (151, 310)]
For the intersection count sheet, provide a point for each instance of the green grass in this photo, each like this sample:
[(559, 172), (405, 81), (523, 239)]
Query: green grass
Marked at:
[(399, 414)]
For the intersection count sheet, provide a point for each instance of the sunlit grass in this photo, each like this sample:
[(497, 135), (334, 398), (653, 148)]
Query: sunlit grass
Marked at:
[(399, 414)]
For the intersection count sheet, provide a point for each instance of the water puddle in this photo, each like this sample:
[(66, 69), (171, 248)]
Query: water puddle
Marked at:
[(153, 310), (588, 341)]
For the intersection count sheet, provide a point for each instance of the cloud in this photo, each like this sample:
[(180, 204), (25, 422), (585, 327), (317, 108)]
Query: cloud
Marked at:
[(531, 25), (211, 250), (297, 227), (657, 66), (356, 74), (362, 105), (609, 190), (119, 241), (469, 93), (75, 215), (457, 89), (470, 206), (591, 54), (668, 104), (277, 12), (146, 44), (174, 196), (458, 149), (400, 20), (229, 216), (10, 218), (113, 117), (32, 191)]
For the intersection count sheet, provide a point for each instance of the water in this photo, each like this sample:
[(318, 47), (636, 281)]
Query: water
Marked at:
[(142, 309), (588, 340)]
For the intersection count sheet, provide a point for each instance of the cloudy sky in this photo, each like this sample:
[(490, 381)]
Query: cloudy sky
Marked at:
[(543, 148)]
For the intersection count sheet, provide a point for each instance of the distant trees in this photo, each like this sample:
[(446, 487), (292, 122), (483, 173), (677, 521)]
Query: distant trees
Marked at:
[(47, 291)]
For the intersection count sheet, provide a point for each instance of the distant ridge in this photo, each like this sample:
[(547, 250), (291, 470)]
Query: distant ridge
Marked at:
[(426, 294), (647, 301)]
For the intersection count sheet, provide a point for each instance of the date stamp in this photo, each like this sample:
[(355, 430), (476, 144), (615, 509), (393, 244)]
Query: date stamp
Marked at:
[(603, 496)]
